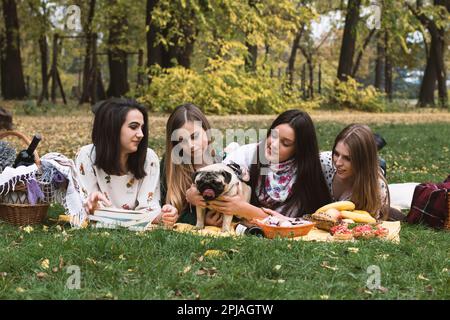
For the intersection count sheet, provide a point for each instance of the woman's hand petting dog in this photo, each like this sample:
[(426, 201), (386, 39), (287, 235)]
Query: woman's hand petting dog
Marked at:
[(194, 197), (169, 215), (229, 205), (92, 202)]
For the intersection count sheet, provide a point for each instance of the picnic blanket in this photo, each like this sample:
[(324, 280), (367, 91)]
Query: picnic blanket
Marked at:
[(314, 235), (401, 194)]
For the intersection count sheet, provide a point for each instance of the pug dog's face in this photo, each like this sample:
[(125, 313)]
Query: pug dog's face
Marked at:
[(211, 184)]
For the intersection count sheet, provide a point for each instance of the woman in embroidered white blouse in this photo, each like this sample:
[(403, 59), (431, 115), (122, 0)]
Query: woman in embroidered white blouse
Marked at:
[(118, 169)]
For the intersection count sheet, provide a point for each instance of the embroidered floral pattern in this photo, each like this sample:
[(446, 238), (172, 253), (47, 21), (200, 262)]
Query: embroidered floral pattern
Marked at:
[(108, 179), (82, 169), (130, 183), (278, 183)]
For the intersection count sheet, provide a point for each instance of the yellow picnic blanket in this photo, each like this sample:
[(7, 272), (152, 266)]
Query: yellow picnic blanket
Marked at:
[(314, 235)]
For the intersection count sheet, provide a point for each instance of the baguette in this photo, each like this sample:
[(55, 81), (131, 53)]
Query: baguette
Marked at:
[(339, 205), (358, 217)]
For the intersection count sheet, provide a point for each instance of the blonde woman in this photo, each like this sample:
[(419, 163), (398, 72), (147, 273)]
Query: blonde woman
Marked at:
[(188, 148), (352, 171)]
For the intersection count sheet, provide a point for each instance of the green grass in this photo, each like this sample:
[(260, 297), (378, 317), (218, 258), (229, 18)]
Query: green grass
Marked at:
[(126, 265)]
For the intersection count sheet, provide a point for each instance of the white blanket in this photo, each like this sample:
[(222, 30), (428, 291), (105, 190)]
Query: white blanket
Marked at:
[(73, 198), (11, 176), (402, 194)]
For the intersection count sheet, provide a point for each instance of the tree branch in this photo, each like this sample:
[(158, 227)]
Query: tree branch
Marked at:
[(360, 53)]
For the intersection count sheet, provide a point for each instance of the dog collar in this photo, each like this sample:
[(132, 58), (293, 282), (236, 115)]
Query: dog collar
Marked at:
[(236, 168)]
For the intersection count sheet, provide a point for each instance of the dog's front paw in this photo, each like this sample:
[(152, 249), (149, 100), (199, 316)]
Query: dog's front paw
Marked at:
[(226, 229), (199, 226)]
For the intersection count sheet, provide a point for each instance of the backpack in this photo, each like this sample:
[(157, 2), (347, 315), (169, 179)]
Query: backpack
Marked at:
[(430, 205)]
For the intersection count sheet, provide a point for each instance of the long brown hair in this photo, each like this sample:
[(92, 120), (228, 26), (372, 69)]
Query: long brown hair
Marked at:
[(366, 192), (310, 190), (179, 176)]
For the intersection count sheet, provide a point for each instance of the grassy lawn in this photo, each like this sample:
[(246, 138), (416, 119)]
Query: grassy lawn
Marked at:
[(168, 265)]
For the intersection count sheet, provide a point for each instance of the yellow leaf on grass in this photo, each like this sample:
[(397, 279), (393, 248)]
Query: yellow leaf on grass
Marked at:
[(187, 269), (28, 229), (324, 297), (422, 277), (277, 267), (20, 290), (326, 266), (353, 250), (45, 264), (213, 253)]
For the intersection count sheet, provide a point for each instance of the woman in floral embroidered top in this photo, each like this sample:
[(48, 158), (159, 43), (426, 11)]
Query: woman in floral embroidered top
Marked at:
[(118, 169), (285, 172)]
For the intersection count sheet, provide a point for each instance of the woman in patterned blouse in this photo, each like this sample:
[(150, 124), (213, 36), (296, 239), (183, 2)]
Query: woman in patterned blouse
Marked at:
[(352, 171), (118, 169)]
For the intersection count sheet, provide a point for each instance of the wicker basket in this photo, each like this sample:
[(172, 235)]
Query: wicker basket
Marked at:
[(14, 206)]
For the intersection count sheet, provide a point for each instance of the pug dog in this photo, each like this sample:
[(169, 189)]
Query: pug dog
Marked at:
[(215, 181)]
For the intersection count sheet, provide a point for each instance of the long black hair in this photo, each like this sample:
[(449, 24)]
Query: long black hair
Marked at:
[(310, 191), (109, 117)]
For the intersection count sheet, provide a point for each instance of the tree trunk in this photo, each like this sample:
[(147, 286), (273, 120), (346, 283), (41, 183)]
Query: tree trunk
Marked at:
[(13, 83), (252, 56), (441, 71), (43, 48), (379, 63), (435, 69), (387, 68), (311, 78), (293, 56), (348, 40), (140, 75), (154, 51), (303, 80), (2, 63), (319, 80), (189, 34), (101, 94), (428, 85), (117, 59), (88, 56)]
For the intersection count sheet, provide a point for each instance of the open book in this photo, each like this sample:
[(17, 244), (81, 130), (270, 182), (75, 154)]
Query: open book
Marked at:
[(114, 217)]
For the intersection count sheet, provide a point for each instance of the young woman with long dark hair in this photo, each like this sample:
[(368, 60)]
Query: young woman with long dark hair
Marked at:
[(285, 172), (118, 169)]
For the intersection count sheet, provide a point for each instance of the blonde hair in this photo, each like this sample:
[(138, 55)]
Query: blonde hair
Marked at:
[(179, 176), (366, 191)]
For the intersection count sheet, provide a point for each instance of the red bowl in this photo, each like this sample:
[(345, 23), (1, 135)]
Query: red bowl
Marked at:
[(285, 232)]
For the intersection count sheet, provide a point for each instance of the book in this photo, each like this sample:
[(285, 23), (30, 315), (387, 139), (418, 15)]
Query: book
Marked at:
[(121, 214), (113, 217)]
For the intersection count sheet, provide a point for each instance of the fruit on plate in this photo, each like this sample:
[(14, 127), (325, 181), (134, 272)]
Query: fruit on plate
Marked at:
[(339, 205), (358, 217)]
